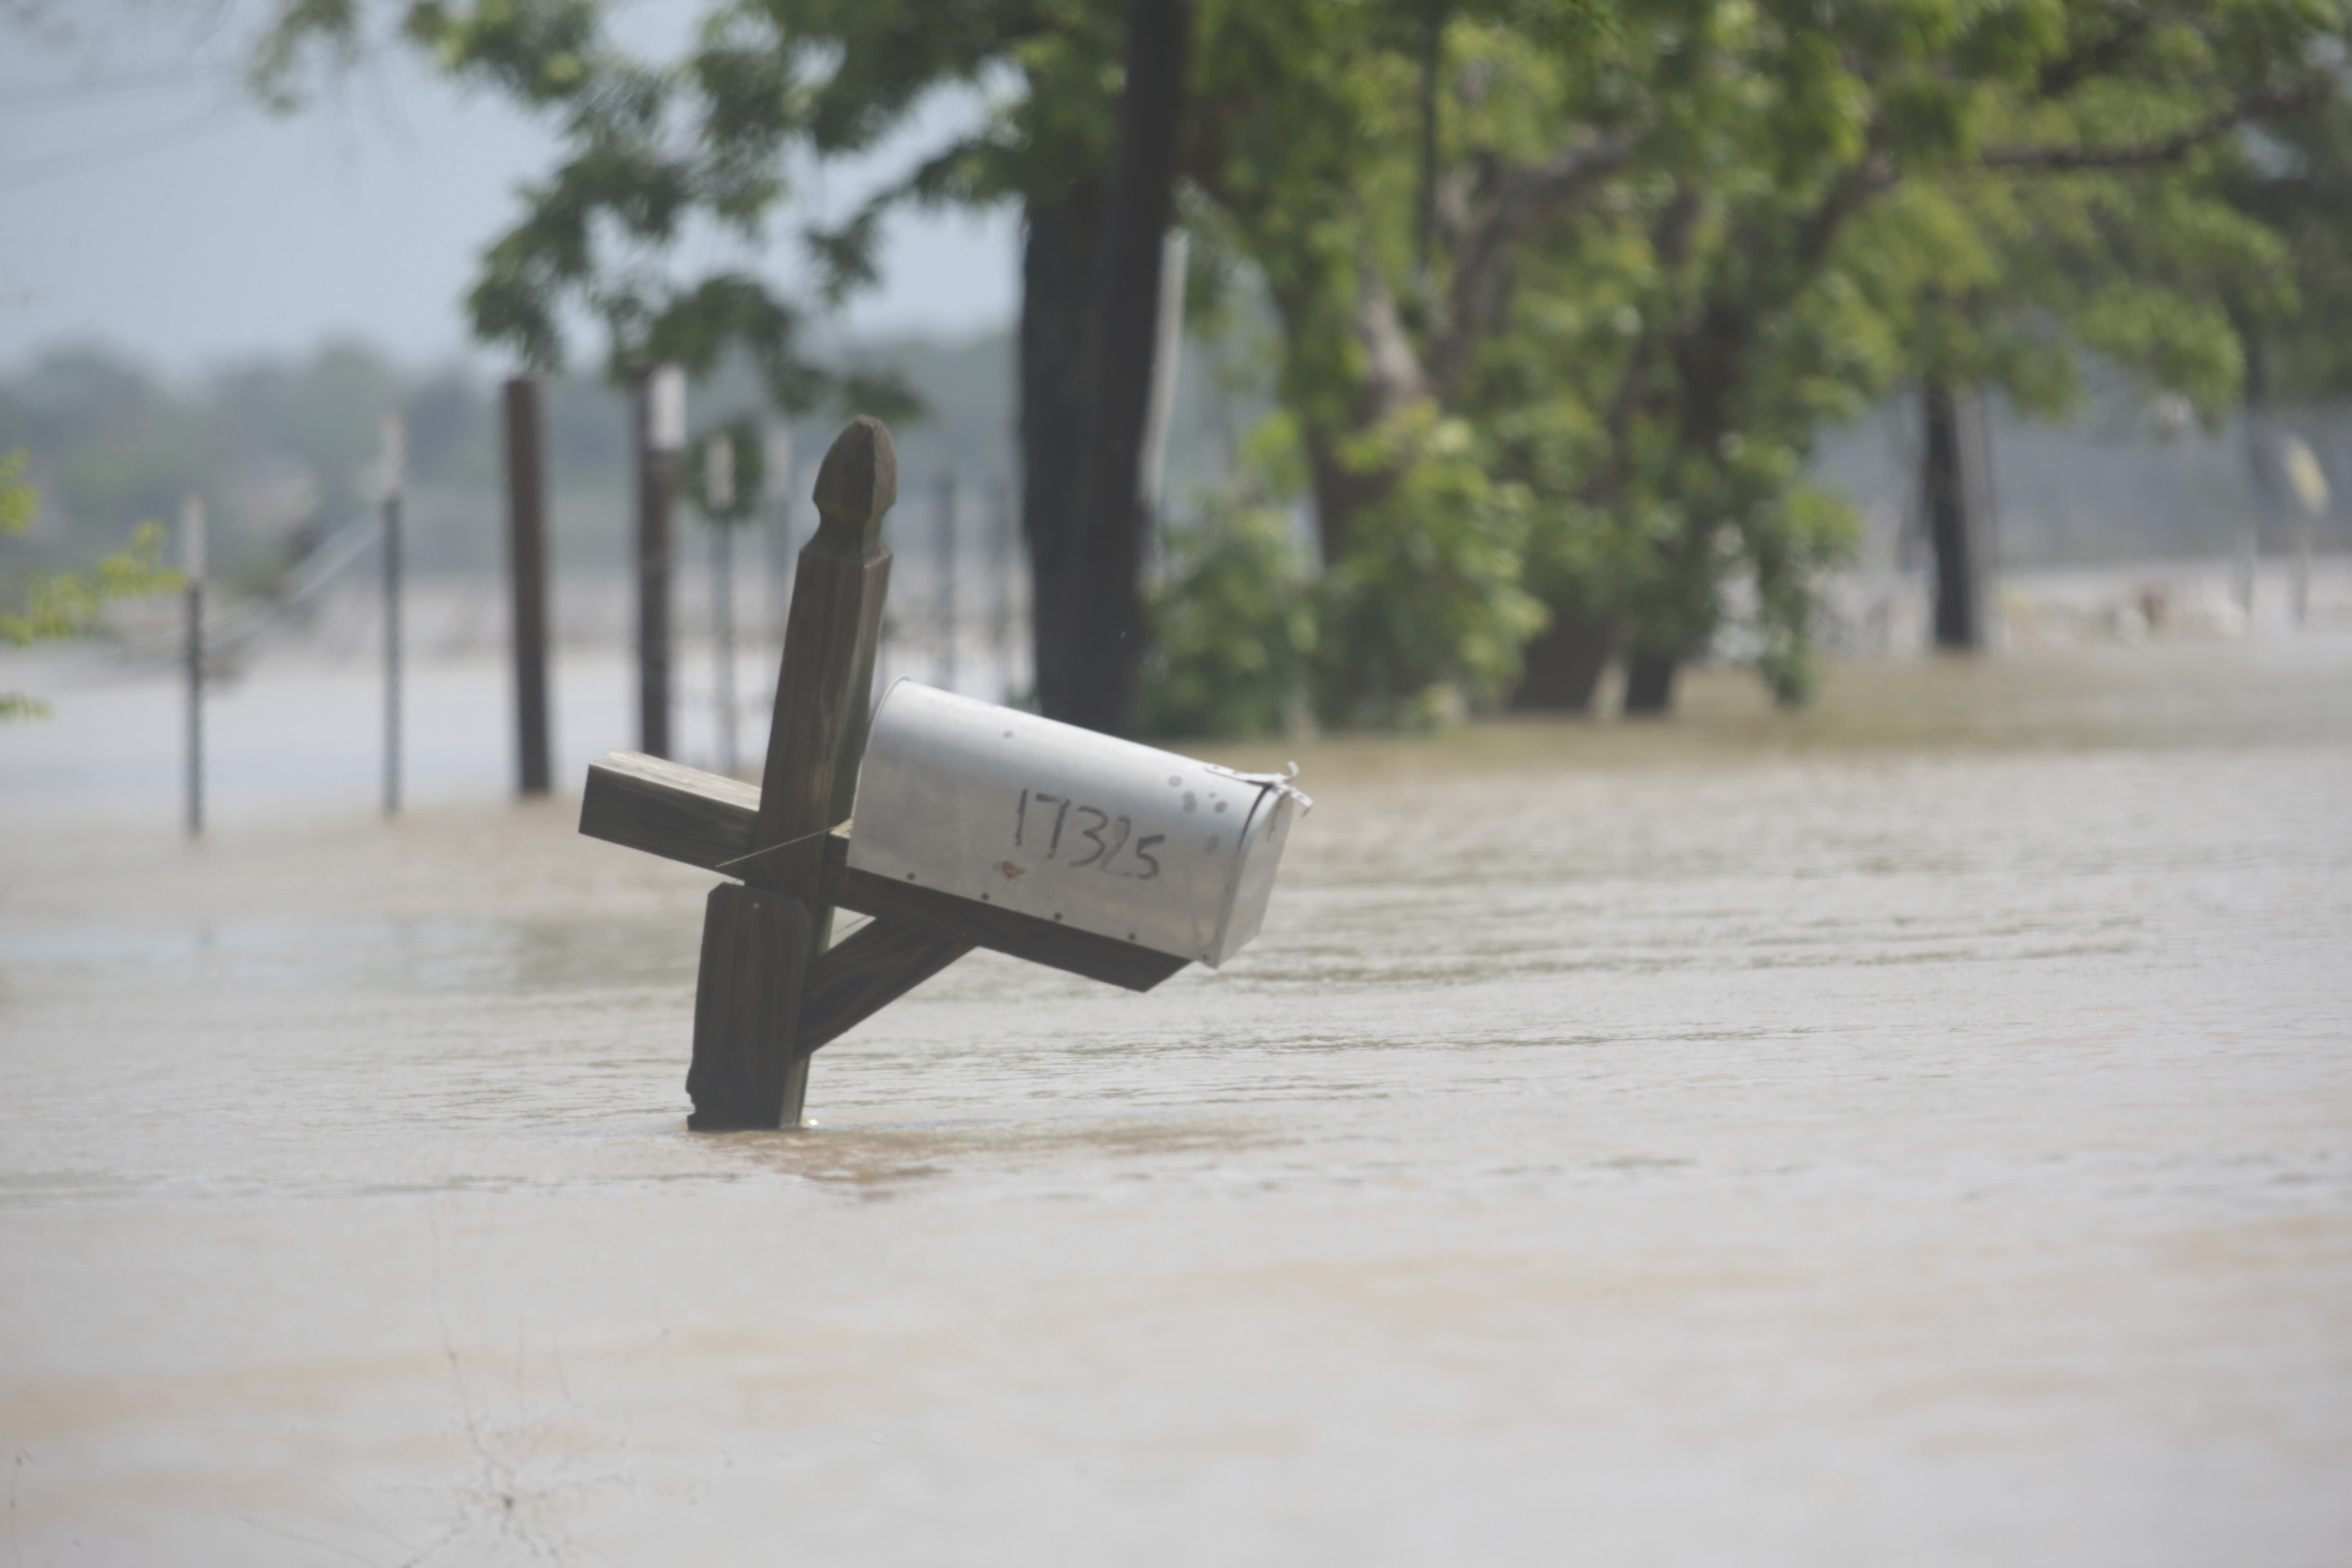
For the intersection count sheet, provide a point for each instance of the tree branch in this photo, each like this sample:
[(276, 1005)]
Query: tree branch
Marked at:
[(1523, 199), (1393, 372), (1670, 243), (2172, 150), (2063, 75)]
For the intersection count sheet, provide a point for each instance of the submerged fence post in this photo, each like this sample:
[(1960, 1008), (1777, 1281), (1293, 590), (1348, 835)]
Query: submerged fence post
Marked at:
[(527, 561), (658, 428), (192, 564), (395, 460)]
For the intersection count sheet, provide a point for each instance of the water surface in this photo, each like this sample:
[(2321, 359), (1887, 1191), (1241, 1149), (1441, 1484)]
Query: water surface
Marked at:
[(1918, 1132)]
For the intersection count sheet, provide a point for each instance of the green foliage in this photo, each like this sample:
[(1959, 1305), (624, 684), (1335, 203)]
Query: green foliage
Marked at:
[(1423, 618), (1577, 363), (1422, 621), (2295, 181), (654, 153), (1669, 249), (63, 605), (1813, 532), (1232, 624)]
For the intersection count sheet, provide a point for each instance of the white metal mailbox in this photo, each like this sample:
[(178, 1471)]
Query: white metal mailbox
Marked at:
[(1050, 820)]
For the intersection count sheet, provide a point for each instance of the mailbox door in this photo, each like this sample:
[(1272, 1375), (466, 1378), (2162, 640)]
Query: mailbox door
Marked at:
[(1050, 820), (1262, 845)]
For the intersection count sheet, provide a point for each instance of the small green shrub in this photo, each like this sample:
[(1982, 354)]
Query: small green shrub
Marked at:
[(1232, 622)]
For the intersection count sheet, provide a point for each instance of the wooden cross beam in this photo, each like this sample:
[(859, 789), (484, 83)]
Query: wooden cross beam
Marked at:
[(772, 988)]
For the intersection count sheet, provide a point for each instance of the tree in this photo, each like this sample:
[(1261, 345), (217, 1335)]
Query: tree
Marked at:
[(653, 150), (2100, 226), (1808, 191), (2295, 179), (1562, 293), (65, 604)]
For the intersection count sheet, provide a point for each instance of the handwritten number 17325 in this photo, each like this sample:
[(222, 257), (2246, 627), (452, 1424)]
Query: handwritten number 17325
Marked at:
[(1103, 853)]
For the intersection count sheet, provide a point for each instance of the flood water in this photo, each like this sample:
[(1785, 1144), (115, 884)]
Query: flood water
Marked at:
[(1916, 1132)]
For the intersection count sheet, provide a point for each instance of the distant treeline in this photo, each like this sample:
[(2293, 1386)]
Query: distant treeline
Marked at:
[(281, 450), (285, 450)]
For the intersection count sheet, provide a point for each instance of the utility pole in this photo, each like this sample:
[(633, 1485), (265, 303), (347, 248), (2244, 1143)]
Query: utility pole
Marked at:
[(527, 568), (191, 565), (659, 409), (395, 459)]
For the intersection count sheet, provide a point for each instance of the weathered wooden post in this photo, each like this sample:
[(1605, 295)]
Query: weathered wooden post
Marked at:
[(1957, 501), (527, 565), (758, 940), (780, 464), (980, 826)]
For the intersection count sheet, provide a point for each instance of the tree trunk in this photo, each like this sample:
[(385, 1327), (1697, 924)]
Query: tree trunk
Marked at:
[(1393, 379), (1649, 684), (1952, 491), (1107, 612), (1340, 494), (1563, 664), (1059, 256)]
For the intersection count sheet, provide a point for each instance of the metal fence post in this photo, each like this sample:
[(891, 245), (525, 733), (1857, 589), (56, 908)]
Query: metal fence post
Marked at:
[(659, 429), (193, 565), (395, 459)]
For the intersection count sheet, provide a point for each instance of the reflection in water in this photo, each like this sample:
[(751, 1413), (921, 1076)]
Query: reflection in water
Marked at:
[(1911, 1132)]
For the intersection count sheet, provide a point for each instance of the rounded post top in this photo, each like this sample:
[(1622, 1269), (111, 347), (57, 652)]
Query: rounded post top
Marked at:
[(858, 482)]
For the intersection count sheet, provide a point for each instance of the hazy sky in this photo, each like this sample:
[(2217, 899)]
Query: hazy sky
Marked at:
[(145, 202)]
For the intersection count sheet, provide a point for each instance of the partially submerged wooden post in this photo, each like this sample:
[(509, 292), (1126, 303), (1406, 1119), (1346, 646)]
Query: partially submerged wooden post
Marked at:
[(527, 565), (772, 988), (758, 938)]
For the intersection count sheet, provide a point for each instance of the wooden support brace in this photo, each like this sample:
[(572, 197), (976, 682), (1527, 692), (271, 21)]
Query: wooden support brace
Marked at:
[(1122, 964), (875, 966), (662, 808)]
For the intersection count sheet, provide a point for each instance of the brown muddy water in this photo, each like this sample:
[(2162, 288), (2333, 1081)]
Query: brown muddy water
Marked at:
[(1916, 1133)]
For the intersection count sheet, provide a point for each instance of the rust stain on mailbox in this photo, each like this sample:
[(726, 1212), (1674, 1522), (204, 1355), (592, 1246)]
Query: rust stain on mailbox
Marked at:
[(1050, 820)]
